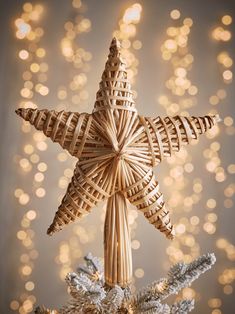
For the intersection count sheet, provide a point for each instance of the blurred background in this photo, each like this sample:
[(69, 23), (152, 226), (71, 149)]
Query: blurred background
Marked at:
[(180, 58)]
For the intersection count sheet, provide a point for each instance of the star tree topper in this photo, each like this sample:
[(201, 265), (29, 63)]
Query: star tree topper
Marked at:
[(116, 148)]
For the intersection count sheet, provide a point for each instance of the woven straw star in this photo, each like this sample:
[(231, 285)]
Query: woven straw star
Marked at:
[(116, 148)]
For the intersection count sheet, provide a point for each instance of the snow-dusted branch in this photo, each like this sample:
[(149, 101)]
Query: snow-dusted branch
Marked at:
[(90, 295)]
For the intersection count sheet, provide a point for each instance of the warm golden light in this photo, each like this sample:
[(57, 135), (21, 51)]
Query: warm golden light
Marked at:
[(23, 54), (175, 14), (226, 19), (227, 75), (132, 14), (220, 34)]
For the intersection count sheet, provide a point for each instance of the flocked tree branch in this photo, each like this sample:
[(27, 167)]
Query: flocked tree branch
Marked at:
[(182, 307), (90, 295), (180, 276)]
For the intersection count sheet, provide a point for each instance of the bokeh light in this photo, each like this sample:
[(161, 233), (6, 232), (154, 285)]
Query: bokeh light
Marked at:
[(198, 183)]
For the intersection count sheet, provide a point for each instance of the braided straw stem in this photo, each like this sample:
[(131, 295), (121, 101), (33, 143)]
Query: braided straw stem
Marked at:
[(117, 243)]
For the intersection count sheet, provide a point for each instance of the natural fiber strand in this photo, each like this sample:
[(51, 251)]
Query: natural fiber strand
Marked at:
[(117, 243), (116, 151)]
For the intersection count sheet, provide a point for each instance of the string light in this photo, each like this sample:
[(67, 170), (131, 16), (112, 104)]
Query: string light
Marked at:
[(178, 100), (27, 29), (175, 51), (73, 95), (126, 34)]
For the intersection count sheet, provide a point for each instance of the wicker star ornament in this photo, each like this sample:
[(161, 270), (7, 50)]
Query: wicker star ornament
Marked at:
[(116, 148)]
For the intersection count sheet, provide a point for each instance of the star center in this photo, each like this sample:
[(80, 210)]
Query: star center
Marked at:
[(119, 155)]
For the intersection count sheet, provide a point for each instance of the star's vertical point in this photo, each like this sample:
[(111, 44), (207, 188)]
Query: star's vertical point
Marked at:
[(115, 48), (115, 89)]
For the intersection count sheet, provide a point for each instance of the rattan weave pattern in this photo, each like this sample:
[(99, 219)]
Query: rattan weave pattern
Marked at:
[(116, 151)]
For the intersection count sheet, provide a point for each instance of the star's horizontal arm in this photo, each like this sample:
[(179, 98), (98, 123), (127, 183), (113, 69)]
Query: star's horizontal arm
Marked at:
[(169, 134), (66, 128)]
